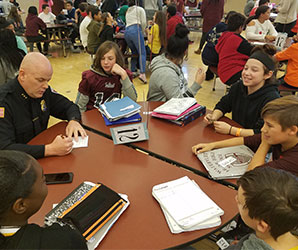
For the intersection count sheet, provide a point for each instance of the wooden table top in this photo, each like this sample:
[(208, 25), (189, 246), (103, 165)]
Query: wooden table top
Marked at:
[(167, 141), (128, 171)]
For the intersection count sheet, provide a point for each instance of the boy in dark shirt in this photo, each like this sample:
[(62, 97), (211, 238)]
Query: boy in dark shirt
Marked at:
[(267, 202), (22, 192), (280, 131)]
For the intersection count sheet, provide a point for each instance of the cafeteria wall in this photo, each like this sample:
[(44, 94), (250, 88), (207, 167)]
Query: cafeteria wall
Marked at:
[(236, 5)]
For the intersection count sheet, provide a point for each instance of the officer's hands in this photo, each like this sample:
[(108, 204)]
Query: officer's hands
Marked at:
[(73, 129), (60, 146)]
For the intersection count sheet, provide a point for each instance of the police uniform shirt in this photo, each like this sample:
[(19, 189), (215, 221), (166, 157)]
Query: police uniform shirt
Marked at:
[(23, 117)]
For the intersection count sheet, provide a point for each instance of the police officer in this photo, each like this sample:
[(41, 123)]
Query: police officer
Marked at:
[(26, 104)]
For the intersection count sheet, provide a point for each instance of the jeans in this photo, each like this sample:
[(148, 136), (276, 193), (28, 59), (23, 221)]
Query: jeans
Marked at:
[(135, 41)]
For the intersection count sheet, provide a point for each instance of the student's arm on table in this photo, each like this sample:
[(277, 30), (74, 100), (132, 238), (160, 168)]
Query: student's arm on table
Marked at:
[(287, 53), (251, 32), (225, 128), (260, 155), (82, 101), (214, 116), (83, 93), (204, 147)]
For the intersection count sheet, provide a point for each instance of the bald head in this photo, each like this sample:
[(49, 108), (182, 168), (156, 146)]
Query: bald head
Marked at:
[(35, 73), (34, 61)]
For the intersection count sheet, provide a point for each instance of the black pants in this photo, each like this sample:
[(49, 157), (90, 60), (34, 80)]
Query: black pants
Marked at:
[(37, 40), (285, 27), (203, 40)]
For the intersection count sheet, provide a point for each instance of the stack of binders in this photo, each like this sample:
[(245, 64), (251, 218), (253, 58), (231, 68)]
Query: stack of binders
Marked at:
[(120, 111), (185, 206), (180, 111), (92, 209)]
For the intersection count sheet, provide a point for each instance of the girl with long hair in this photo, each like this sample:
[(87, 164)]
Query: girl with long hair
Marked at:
[(16, 19), (106, 32), (107, 79), (259, 27), (10, 56), (157, 35)]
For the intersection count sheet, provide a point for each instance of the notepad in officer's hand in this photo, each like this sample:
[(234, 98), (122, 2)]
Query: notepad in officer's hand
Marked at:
[(186, 204), (229, 162)]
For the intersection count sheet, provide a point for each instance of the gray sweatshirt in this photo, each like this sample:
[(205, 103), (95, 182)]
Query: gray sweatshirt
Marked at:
[(250, 242), (167, 81)]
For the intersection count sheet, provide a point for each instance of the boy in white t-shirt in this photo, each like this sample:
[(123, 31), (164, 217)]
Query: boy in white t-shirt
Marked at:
[(46, 15)]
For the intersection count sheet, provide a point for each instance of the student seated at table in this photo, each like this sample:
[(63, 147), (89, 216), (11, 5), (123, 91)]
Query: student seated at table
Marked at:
[(233, 50), (248, 96), (107, 79), (106, 32), (280, 131), (26, 104), (167, 79), (16, 20), (22, 175), (267, 202), (33, 25), (209, 54), (157, 39), (71, 11), (4, 24), (259, 27), (290, 80), (261, 3), (172, 20), (49, 2), (94, 31), (46, 15), (10, 56)]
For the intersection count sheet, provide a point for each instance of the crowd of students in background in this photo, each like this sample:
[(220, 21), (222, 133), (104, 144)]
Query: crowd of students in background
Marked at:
[(156, 31)]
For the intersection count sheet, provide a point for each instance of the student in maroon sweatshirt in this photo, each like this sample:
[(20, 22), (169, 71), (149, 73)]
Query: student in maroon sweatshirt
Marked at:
[(233, 50), (173, 20), (33, 25)]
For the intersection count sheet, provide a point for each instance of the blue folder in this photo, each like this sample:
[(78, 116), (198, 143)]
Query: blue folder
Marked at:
[(121, 108), (133, 118)]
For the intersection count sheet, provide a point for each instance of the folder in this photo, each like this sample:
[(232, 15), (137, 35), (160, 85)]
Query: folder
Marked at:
[(134, 118), (118, 109)]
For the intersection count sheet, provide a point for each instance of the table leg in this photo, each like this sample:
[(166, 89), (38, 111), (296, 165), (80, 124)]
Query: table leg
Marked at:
[(62, 42)]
